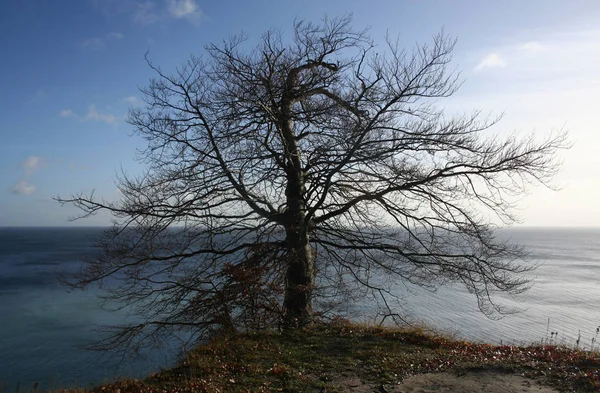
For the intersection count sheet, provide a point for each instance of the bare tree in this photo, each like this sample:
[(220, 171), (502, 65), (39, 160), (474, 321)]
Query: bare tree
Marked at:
[(281, 174)]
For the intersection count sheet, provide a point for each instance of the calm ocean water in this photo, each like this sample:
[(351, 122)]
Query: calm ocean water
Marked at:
[(43, 327)]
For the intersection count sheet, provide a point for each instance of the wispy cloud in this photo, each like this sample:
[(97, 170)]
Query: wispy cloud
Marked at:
[(115, 36), (32, 164), (131, 100), (149, 12), (38, 96), (544, 57), (146, 13), (492, 60), (23, 188), (92, 114), (184, 9), (93, 43), (97, 43), (66, 113), (532, 46)]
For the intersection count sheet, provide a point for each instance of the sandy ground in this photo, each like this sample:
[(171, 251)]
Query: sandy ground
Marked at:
[(470, 382)]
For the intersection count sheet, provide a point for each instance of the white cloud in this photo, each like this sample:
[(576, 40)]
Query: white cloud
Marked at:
[(23, 188), (115, 36), (96, 43), (492, 60), (93, 43), (132, 100), (548, 85), (66, 113), (145, 13), (532, 46), (184, 9), (93, 114), (32, 164), (149, 12)]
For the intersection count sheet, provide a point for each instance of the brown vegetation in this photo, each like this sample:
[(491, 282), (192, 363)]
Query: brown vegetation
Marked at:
[(344, 357)]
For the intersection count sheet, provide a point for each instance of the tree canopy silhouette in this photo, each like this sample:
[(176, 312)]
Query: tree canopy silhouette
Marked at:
[(283, 176)]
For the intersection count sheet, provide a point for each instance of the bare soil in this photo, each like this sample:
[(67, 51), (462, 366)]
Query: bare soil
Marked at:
[(473, 382)]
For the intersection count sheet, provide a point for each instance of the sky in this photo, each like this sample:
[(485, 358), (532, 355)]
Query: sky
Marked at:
[(71, 69)]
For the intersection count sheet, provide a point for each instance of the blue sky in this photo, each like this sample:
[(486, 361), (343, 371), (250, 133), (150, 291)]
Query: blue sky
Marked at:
[(70, 69)]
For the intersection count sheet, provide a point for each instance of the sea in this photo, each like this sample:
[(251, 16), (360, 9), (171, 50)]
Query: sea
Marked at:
[(45, 328)]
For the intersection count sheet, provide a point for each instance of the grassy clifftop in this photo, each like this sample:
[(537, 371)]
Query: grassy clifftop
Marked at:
[(331, 358)]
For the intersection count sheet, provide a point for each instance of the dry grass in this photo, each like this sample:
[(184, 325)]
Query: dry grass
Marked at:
[(320, 358)]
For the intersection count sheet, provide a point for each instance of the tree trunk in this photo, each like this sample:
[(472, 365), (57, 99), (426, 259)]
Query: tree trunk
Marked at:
[(300, 259), (300, 262), (299, 278)]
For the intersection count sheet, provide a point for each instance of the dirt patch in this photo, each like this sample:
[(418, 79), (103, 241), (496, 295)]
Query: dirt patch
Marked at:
[(475, 382), (471, 382)]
